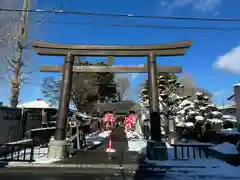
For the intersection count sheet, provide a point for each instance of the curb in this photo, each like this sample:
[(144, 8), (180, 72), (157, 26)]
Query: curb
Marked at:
[(99, 166), (85, 166)]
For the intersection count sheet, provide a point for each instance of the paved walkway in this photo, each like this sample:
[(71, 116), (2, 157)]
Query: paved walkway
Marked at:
[(100, 156)]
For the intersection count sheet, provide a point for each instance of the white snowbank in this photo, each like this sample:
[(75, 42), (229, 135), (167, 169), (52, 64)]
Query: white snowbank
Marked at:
[(226, 148)]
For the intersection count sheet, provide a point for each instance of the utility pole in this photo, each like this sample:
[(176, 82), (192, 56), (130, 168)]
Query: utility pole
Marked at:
[(18, 60)]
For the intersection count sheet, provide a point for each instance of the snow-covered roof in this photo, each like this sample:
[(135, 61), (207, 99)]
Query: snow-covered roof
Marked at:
[(221, 107), (214, 120), (39, 104)]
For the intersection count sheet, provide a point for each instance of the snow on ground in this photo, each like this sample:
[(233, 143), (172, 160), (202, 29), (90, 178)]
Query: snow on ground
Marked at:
[(137, 145), (198, 166), (40, 154), (226, 148), (136, 142)]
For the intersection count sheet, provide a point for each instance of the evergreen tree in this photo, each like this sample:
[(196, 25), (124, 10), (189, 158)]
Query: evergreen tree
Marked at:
[(168, 100)]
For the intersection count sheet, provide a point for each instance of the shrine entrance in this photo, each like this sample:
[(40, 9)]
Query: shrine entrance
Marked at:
[(69, 51)]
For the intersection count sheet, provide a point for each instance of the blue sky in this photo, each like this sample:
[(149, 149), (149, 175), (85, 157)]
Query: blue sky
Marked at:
[(207, 61)]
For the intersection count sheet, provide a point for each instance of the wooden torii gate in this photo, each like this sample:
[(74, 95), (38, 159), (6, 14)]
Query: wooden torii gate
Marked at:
[(150, 51)]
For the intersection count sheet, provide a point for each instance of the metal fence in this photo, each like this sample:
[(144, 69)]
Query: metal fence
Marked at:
[(42, 136), (17, 152), (190, 151)]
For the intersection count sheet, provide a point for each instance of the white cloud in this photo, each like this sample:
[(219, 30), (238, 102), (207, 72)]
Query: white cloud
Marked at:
[(200, 5), (229, 62)]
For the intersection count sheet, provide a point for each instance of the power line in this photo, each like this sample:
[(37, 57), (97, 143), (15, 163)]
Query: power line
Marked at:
[(141, 26), (56, 11)]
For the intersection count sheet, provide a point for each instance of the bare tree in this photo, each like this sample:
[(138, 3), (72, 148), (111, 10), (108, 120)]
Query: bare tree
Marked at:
[(87, 88), (14, 41)]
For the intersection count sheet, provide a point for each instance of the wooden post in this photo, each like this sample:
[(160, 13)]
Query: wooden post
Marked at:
[(66, 87)]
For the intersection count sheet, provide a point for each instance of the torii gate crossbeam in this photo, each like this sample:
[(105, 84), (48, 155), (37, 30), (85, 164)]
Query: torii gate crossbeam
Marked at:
[(113, 69)]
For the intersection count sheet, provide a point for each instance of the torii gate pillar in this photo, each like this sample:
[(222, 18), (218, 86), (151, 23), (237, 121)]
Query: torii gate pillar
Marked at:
[(153, 98), (58, 148), (156, 148)]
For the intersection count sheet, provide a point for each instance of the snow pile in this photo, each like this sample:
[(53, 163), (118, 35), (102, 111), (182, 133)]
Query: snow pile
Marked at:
[(96, 138), (137, 145), (226, 148), (136, 142)]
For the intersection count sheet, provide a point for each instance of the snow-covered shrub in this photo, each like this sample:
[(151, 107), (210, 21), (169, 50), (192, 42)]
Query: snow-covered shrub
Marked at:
[(201, 115)]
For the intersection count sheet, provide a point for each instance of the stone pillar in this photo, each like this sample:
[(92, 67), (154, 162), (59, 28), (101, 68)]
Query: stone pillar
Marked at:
[(237, 101), (172, 131), (58, 147), (156, 148)]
